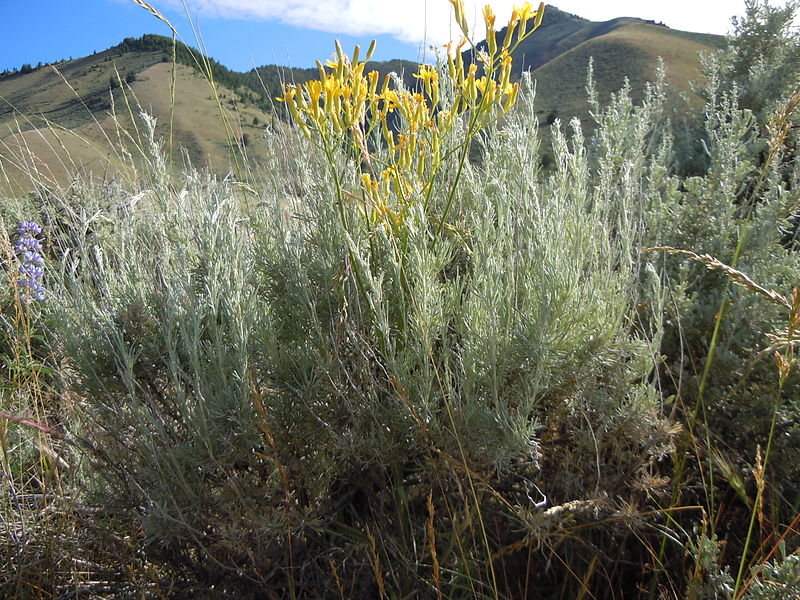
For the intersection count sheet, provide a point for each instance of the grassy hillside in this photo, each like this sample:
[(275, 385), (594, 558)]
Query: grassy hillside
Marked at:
[(79, 114), (629, 52), (623, 50)]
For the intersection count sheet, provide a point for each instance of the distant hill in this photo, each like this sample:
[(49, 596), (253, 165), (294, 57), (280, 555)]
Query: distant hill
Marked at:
[(622, 49), (561, 32), (65, 114), (71, 114)]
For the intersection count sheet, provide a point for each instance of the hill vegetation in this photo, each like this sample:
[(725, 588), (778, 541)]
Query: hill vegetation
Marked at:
[(259, 86)]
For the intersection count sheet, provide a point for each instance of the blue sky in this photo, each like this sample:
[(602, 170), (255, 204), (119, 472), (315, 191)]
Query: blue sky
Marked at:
[(51, 30), (244, 33)]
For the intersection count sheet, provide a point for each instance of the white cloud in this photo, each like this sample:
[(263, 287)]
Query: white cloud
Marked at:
[(706, 16), (430, 21), (412, 21)]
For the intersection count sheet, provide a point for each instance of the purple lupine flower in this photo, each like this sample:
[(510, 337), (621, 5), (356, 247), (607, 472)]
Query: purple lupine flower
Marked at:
[(28, 227), (28, 249)]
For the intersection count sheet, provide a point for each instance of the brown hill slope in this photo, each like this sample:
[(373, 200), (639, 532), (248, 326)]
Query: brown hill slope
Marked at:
[(629, 53), (623, 50), (66, 118)]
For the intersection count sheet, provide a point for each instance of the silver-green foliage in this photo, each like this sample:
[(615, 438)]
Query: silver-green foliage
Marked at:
[(711, 581), (776, 579), (734, 212), (155, 306), (185, 310), (237, 346), (761, 63), (249, 362)]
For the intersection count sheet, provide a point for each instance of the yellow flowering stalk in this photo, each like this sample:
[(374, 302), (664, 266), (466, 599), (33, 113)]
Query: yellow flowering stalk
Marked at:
[(345, 106), (461, 19), (491, 39)]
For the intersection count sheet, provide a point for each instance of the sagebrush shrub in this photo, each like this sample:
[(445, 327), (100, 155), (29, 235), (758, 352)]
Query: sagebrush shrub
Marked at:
[(268, 372)]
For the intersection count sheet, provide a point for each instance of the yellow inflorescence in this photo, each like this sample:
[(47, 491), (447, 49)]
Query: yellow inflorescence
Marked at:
[(345, 104)]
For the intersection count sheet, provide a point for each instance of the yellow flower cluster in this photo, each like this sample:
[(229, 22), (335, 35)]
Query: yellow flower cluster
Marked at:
[(347, 104)]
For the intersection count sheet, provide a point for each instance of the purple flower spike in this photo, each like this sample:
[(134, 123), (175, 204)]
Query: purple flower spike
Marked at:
[(31, 271)]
